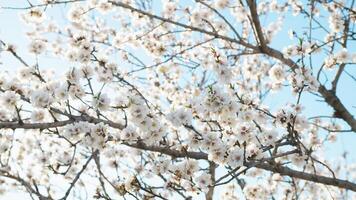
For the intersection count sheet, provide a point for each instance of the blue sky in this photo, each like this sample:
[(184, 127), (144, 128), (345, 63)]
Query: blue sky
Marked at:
[(12, 30)]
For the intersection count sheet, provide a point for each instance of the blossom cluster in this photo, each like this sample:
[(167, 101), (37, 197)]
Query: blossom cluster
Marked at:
[(173, 101)]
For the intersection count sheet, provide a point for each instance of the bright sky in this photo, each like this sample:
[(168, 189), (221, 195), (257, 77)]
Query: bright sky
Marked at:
[(12, 30)]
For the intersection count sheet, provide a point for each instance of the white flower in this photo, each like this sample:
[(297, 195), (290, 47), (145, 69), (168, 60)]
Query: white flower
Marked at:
[(210, 140), (93, 141), (244, 132), (270, 137), (65, 158), (255, 191), (76, 13), (5, 142), (342, 56), (4, 115), (95, 137), (72, 55), (37, 46), (180, 117), (240, 13), (34, 15), (38, 115), (86, 71), (277, 73), (73, 75), (169, 8), (61, 93), (104, 6), (191, 166), (235, 158), (75, 91), (253, 150), (138, 113), (221, 4), (9, 99), (127, 134), (298, 160), (104, 74), (203, 181), (330, 62), (41, 99), (332, 137), (336, 23), (101, 102), (25, 73), (313, 84), (145, 124), (196, 17), (75, 130), (217, 153), (121, 100), (83, 56), (301, 123), (224, 74), (100, 129)]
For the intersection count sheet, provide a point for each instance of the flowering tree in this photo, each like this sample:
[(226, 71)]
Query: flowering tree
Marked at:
[(166, 100)]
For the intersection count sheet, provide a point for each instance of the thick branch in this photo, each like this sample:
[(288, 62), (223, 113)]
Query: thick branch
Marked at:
[(46, 125), (210, 194), (337, 77), (340, 110), (168, 151), (285, 171), (256, 22), (17, 125)]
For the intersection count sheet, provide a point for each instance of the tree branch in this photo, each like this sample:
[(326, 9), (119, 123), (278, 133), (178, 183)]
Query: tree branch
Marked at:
[(193, 28), (257, 24), (24, 183), (210, 194), (76, 178), (285, 171), (46, 125)]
